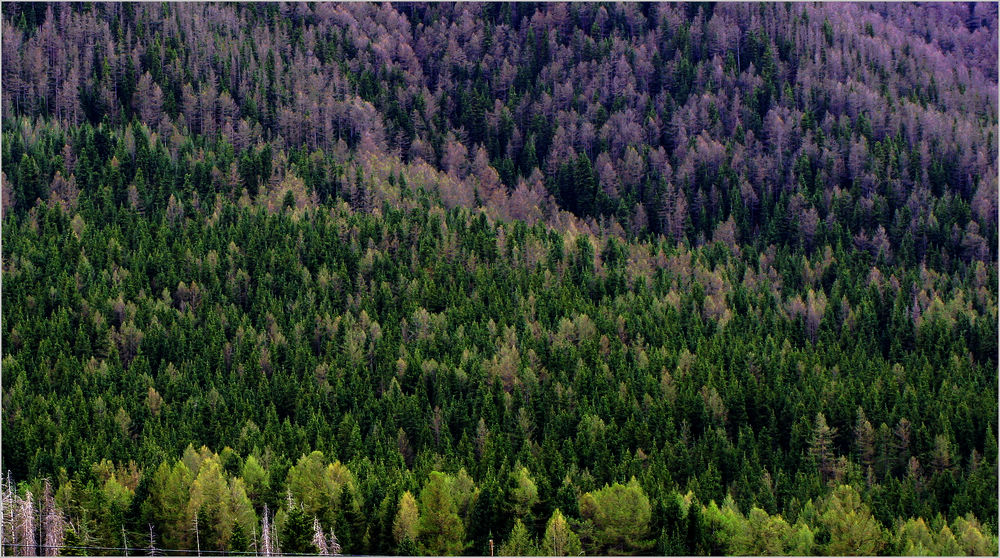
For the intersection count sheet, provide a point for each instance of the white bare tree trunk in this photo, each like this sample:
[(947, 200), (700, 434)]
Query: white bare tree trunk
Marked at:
[(7, 503), (24, 530), (266, 548), (53, 522), (319, 539)]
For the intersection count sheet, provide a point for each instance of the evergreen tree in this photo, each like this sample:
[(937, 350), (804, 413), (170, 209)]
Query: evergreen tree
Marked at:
[(440, 531)]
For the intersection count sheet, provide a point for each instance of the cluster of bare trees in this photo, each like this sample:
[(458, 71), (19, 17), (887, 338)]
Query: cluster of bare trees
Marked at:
[(31, 526), (34, 526)]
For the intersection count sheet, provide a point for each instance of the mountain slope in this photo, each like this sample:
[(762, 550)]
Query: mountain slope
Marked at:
[(407, 279)]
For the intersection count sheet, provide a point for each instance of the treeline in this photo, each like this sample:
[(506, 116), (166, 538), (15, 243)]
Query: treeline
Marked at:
[(206, 501)]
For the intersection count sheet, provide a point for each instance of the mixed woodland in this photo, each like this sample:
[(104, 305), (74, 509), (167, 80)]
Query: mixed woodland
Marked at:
[(535, 279)]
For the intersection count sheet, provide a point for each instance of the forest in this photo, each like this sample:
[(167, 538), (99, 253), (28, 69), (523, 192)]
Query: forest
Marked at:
[(509, 278)]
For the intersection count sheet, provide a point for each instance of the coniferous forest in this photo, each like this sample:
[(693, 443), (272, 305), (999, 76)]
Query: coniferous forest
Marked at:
[(530, 279)]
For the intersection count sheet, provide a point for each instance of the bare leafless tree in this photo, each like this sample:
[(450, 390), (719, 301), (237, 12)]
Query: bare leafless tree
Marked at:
[(54, 523)]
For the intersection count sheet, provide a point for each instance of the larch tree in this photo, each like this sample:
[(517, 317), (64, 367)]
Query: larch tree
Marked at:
[(559, 538), (852, 529), (404, 526), (210, 501), (620, 515), (519, 542), (524, 492), (821, 447), (440, 530)]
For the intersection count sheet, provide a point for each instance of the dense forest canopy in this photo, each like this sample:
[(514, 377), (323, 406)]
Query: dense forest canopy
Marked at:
[(575, 278)]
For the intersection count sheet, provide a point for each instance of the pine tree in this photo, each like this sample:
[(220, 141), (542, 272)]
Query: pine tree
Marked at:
[(296, 532)]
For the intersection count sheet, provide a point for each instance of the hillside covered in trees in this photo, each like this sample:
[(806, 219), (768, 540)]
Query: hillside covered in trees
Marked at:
[(574, 278)]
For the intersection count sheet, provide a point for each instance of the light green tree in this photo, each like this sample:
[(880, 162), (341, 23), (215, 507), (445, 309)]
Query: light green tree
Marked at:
[(405, 525), (519, 543), (440, 530), (524, 494), (620, 515), (241, 507), (466, 493), (560, 540), (254, 477), (210, 506), (969, 533), (318, 486), (913, 538), (853, 530), (800, 540), (762, 535), (310, 485), (167, 503), (946, 544), (726, 522)]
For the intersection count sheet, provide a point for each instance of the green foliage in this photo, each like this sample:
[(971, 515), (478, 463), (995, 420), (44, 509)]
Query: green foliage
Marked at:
[(254, 477), (751, 316), (440, 531), (524, 492), (295, 531), (592, 396), (404, 526), (317, 486), (519, 543), (210, 502), (851, 528), (559, 539), (167, 503), (620, 515)]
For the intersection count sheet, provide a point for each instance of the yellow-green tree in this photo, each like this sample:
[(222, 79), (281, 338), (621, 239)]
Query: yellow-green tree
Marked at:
[(524, 492), (254, 477), (969, 534), (946, 544), (913, 538), (620, 516), (317, 486), (244, 517), (800, 540), (519, 543), (167, 504), (853, 531), (726, 522), (210, 506), (440, 530), (405, 525), (466, 493), (559, 539)]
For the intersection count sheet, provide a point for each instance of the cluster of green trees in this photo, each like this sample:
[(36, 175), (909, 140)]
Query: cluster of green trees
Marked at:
[(546, 365), (205, 500)]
